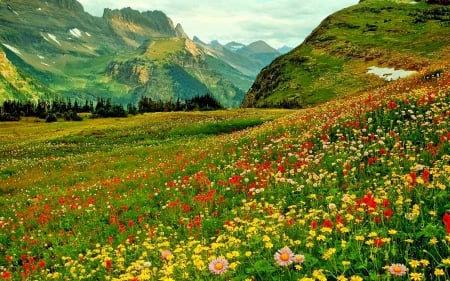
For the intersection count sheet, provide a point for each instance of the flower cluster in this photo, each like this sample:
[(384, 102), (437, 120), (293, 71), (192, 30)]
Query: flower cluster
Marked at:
[(354, 189)]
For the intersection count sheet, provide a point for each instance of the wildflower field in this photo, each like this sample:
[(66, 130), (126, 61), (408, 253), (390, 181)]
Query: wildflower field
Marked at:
[(354, 189)]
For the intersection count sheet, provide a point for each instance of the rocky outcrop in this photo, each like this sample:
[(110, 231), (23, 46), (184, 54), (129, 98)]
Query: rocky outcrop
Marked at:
[(136, 71)]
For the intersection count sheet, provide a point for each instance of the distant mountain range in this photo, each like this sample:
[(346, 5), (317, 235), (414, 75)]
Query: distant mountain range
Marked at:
[(54, 48)]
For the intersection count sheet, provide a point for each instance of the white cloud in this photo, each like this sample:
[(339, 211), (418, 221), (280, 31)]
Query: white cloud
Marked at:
[(278, 22)]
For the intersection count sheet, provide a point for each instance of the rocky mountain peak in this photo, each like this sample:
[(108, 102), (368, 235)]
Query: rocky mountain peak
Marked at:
[(180, 32), (72, 5)]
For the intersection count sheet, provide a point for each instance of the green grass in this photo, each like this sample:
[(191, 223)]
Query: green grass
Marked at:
[(89, 148), (160, 48)]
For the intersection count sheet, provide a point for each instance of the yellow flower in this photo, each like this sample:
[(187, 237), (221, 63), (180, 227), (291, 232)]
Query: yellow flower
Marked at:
[(233, 265), (319, 275), (414, 263), (321, 238), (356, 278), (266, 238), (359, 238), (248, 253), (446, 261), (346, 263), (424, 262), (329, 253), (342, 278), (433, 241), (416, 276), (438, 272), (392, 231)]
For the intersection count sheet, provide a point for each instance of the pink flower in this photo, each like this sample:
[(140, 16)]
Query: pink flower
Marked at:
[(299, 259), (398, 269), (284, 256), (166, 255), (218, 266)]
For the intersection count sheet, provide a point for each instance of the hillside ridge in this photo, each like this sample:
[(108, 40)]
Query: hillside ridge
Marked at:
[(334, 59)]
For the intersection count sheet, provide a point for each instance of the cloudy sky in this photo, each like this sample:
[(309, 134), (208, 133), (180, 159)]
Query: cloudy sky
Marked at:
[(278, 22)]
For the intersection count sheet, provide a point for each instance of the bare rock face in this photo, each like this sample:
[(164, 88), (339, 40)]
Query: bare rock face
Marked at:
[(132, 72), (72, 5)]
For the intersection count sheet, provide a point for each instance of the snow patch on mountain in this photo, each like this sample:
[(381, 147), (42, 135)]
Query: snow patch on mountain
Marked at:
[(13, 49), (389, 74), (88, 34), (41, 57), (53, 37), (76, 32)]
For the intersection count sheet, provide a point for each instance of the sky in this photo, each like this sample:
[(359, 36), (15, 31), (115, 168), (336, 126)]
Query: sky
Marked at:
[(277, 22)]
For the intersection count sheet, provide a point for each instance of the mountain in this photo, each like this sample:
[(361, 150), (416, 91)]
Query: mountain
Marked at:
[(334, 59), (172, 67), (248, 59), (234, 46), (260, 52), (285, 49), (64, 51)]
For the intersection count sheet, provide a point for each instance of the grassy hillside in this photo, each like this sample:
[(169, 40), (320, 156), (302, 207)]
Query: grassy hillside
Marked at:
[(333, 61), (354, 189)]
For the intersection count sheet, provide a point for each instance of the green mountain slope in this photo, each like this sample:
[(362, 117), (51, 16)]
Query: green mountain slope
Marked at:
[(17, 84), (333, 61), (172, 68)]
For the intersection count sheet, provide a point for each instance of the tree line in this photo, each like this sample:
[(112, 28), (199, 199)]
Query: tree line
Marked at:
[(52, 110)]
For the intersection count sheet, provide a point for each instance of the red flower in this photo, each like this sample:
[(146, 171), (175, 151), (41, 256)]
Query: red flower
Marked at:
[(6, 275), (392, 104), (446, 221), (327, 223), (413, 177), (378, 242), (41, 263), (388, 213), (130, 223), (369, 200), (108, 263), (426, 175)]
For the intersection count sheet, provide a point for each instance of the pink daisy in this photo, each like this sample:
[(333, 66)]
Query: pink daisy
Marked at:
[(166, 255), (218, 266), (398, 269), (284, 256), (299, 259)]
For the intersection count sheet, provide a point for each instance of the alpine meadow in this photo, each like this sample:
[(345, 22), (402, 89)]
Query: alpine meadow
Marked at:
[(129, 152)]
